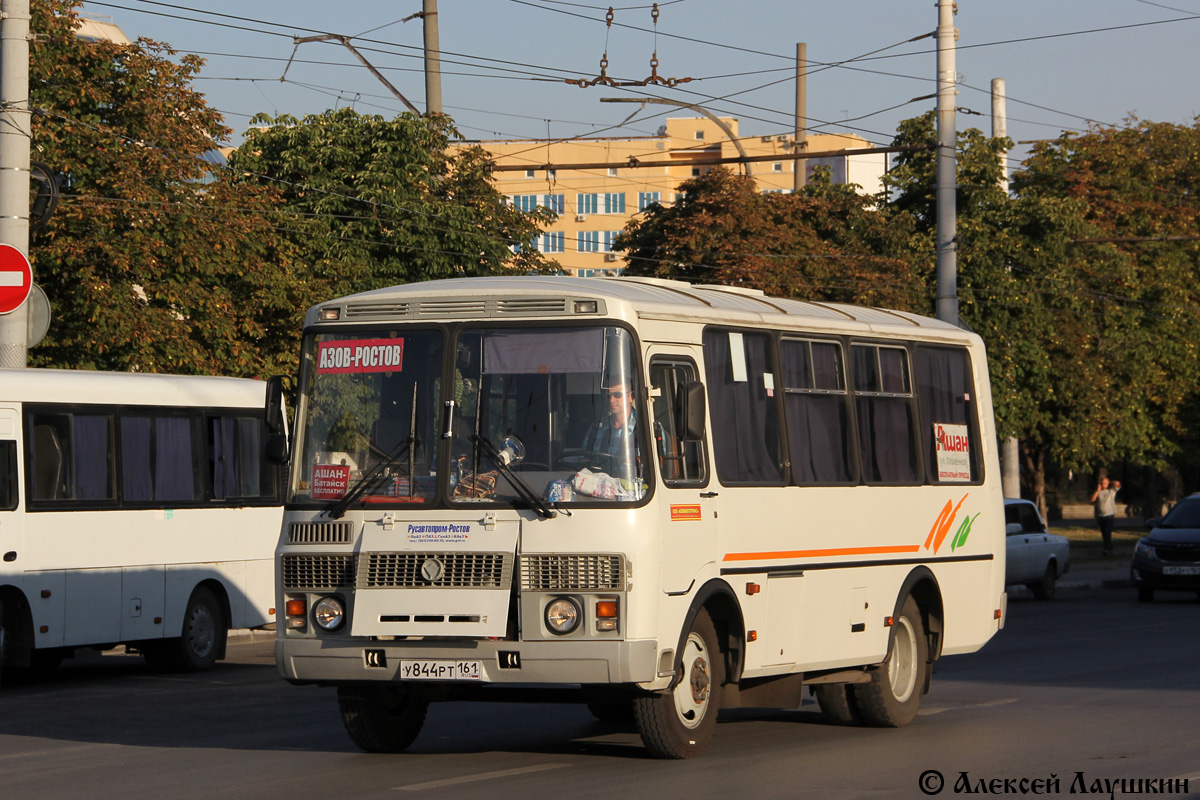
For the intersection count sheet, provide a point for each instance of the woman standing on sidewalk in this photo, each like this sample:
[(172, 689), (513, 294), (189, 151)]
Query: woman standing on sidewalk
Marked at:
[(1105, 501)]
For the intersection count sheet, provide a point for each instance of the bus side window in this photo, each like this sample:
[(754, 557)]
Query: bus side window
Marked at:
[(8, 475), (681, 462), (47, 463), (71, 456), (237, 468)]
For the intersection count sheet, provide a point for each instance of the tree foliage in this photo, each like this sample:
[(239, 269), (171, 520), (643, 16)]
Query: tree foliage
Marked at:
[(824, 244), (154, 261), (374, 202)]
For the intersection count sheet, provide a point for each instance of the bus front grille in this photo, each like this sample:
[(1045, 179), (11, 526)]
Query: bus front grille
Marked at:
[(571, 573), (318, 571), (319, 533), (435, 570)]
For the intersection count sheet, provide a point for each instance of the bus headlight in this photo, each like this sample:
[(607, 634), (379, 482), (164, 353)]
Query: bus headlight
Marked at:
[(329, 613), (562, 615)]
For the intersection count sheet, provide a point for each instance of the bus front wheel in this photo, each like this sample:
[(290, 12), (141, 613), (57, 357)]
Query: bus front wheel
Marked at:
[(892, 697), (382, 718), (679, 723)]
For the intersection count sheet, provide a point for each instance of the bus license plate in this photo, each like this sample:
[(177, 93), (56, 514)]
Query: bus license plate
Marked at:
[(430, 670), (1181, 570)]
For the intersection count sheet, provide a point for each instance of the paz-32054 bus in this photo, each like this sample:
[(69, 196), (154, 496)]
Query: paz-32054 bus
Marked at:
[(656, 498)]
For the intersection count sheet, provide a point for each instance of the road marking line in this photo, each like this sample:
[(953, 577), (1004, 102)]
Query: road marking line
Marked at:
[(1004, 702), (483, 776)]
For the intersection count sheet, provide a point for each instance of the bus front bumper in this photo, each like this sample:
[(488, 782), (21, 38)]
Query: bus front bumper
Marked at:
[(311, 660)]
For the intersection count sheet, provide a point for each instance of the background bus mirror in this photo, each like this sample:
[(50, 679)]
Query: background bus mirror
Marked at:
[(691, 411), (277, 443)]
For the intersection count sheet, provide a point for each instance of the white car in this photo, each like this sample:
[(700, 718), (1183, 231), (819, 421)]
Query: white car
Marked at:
[(1036, 558)]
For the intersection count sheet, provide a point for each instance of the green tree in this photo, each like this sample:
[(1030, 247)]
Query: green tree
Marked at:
[(376, 202), (154, 260), (827, 243)]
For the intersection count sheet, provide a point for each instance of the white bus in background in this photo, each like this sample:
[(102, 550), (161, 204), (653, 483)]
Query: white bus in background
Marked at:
[(656, 498), (134, 508)]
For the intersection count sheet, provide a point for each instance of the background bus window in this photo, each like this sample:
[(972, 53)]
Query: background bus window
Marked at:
[(8, 475), (816, 403), (237, 468), (741, 393), (680, 463), (883, 400), (71, 456), (157, 464), (944, 386)]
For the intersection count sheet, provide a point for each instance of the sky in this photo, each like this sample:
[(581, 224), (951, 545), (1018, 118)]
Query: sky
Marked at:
[(1065, 63)]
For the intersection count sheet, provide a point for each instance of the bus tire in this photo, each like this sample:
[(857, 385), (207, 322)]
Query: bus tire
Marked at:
[(838, 703), (200, 642), (892, 697), (382, 718), (679, 723)]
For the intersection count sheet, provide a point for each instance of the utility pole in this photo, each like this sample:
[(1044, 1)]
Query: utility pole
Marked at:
[(799, 170), (947, 77), (15, 133), (1010, 451), (433, 60)]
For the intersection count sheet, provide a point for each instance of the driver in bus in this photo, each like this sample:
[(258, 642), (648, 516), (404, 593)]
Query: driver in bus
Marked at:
[(612, 444)]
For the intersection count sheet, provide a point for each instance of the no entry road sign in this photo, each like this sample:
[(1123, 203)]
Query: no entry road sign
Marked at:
[(16, 278)]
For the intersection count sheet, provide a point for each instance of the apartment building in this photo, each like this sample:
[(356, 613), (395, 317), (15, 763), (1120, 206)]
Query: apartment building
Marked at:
[(594, 187)]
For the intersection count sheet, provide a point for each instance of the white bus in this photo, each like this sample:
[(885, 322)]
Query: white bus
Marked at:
[(656, 498), (134, 508)]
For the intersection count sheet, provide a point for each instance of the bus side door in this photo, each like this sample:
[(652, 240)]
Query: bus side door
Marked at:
[(689, 526), (12, 520)]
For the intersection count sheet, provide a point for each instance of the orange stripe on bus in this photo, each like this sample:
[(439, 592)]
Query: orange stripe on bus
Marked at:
[(842, 551)]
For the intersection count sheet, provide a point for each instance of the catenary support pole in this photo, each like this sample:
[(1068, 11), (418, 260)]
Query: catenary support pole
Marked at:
[(433, 59), (800, 170), (947, 96), (15, 133), (1010, 451)]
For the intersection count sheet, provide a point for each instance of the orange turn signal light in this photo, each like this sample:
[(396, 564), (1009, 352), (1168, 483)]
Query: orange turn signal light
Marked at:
[(606, 609), (296, 608)]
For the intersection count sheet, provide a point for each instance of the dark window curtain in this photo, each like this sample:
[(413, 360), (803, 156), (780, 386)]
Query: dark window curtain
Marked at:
[(137, 484), (222, 458), (8, 475), (174, 475), (943, 380), (91, 459), (818, 439), (250, 462), (886, 440), (746, 428)]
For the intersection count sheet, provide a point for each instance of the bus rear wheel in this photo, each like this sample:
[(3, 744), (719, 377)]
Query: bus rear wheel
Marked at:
[(893, 695), (201, 641), (382, 718), (679, 723)]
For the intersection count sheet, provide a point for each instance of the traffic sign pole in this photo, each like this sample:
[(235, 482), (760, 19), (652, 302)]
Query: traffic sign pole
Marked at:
[(15, 134)]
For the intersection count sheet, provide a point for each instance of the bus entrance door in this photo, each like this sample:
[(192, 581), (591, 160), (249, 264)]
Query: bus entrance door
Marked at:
[(689, 516), (12, 527)]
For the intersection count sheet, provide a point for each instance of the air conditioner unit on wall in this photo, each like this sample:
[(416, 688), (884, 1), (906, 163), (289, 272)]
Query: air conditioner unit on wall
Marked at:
[(581, 217), (610, 256)]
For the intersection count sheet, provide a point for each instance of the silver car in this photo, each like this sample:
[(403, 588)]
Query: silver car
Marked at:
[(1036, 558)]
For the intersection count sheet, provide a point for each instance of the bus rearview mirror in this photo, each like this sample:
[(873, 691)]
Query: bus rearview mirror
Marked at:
[(691, 411)]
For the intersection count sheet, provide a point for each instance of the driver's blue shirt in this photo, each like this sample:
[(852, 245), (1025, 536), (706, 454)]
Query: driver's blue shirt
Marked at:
[(604, 437)]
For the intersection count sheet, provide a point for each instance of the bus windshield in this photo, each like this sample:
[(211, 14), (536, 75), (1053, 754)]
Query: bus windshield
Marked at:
[(530, 416)]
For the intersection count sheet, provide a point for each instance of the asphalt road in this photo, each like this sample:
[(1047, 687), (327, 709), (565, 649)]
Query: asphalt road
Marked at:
[(1092, 686)]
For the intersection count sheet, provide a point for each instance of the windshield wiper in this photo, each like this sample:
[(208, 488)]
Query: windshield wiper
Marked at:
[(539, 506), (337, 509)]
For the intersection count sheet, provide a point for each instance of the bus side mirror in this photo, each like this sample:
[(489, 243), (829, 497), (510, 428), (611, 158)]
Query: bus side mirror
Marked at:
[(691, 411), (277, 443)]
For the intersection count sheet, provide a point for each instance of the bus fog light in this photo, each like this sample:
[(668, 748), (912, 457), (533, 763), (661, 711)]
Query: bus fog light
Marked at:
[(329, 613), (562, 615), (606, 624)]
